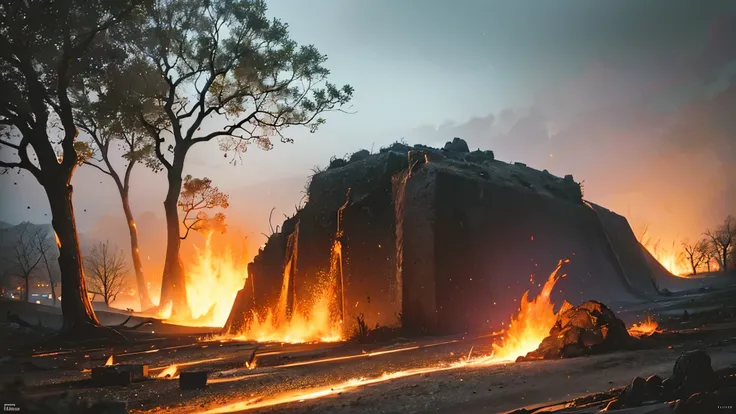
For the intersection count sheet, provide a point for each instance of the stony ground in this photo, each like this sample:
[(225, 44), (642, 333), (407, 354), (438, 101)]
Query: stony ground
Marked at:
[(285, 370)]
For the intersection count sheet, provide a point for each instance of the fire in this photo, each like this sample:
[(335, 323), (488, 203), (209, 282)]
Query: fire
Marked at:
[(165, 311), (315, 318), (526, 331), (109, 361), (168, 372), (670, 259), (644, 328), (314, 323), (213, 282), (532, 324)]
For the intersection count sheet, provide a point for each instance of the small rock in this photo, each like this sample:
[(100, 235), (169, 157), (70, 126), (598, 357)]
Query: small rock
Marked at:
[(614, 405), (337, 163), (193, 380), (654, 380)]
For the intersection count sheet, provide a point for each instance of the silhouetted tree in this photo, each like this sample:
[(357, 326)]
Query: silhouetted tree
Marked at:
[(722, 240), (26, 255), (45, 248), (47, 50), (105, 126), (197, 196), (695, 253), (223, 60), (106, 271)]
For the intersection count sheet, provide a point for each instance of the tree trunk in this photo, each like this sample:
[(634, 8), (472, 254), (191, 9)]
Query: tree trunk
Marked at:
[(75, 305), (53, 291), (173, 283), (140, 279), (28, 290), (724, 260)]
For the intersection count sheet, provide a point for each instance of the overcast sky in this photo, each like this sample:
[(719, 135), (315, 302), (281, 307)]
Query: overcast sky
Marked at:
[(636, 99)]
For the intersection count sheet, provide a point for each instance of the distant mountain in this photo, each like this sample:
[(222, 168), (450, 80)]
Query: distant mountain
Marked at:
[(4, 225)]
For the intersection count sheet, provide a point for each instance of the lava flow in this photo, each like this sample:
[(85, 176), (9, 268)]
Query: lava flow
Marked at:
[(312, 319), (526, 331)]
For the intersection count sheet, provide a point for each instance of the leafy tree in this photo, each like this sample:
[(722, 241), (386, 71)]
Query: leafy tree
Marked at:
[(106, 271), (197, 196), (220, 70), (47, 50), (105, 126)]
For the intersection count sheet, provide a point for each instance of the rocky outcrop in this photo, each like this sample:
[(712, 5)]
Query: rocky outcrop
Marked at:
[(441, 240), (582, 330)]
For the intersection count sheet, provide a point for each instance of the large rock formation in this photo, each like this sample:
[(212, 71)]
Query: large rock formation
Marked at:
[(446, 240)]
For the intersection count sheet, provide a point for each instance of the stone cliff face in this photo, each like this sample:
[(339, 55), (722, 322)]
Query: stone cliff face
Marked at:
[(442, 241)]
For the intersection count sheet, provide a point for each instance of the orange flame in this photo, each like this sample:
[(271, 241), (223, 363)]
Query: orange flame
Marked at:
[(314, 319), (317, 323), (213, 282), (670, 259), (168, 372), (525, 333), (645, 328), (527, 330), (109, 361)]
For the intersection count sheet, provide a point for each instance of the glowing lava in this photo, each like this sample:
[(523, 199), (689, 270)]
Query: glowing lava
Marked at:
[(527, 330), (311, 319), (644, 328), (315, 323)]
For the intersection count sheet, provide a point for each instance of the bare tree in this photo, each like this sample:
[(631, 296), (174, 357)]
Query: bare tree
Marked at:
[(722, 240), (197, 196), (695, 253), (106, 271), (25, 255), (44, 247)]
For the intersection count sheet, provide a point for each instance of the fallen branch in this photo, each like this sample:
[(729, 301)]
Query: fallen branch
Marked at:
[(14, 318), (147, 322), (124, 322)]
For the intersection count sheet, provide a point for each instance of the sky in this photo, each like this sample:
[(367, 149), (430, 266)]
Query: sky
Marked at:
[(635, 99)]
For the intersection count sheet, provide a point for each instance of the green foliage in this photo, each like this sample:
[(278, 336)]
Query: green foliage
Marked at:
[(223, 59), (197, 196), (48, 50)]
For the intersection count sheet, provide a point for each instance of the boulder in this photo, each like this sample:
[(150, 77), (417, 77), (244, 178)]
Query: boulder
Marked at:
[(582, 330), (693, 374), (360, 155), (456, 145)]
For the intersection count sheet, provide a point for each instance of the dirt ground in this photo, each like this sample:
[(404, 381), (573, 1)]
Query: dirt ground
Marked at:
[(312, 377)]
